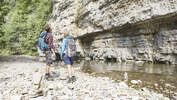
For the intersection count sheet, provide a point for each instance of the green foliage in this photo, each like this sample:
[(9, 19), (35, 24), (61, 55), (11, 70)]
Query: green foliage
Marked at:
[(21, 22)]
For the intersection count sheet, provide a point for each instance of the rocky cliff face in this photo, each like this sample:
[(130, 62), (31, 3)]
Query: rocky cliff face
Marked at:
[(119, 30)]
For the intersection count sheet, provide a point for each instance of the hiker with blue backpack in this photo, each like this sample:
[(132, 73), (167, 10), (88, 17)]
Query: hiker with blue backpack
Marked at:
[(45, 43), (68, 52)]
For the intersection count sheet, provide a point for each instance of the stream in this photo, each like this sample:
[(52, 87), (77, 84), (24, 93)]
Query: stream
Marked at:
[(161, 78)]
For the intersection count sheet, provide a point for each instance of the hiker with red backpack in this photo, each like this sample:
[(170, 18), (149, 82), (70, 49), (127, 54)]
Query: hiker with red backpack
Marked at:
[(45, 43), (68, 52)]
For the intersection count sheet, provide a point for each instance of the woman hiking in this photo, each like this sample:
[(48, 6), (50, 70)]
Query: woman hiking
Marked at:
[(67, 54)]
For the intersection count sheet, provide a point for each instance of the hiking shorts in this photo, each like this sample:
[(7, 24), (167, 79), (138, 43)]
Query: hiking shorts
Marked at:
[(48, 56), (68, 60)]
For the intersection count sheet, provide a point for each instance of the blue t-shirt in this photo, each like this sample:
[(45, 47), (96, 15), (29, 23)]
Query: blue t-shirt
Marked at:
[(64, 45)]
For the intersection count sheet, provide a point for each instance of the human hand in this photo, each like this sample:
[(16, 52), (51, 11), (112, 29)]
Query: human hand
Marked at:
[(53, 56)]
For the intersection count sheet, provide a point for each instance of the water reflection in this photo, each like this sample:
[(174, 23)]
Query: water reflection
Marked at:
[(100, 67), (151, 75)]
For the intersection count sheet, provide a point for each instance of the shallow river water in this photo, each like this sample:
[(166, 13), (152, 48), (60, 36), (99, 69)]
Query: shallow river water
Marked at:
[(157, 77)]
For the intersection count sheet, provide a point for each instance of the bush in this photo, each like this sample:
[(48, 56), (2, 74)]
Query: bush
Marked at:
[(21, 22)]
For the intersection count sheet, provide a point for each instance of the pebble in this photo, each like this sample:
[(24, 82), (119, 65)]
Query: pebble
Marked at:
[(136, 82), (86, 87)]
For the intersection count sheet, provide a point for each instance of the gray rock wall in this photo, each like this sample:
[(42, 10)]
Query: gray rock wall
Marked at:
[(119, 30)]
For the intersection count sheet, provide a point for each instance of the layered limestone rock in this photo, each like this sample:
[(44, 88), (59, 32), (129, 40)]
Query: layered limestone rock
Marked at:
[(119, 30)]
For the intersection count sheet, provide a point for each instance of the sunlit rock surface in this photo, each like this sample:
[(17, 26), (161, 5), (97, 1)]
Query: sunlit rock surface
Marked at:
[(119, 30)]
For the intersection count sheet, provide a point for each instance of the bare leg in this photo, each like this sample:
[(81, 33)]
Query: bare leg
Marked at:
[(72, 70), (72, 73), (69, 70), (47, 69)]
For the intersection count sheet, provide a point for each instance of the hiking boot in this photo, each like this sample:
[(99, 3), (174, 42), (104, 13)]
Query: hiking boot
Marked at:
[(69, 80), (47, 76), (73, 78)]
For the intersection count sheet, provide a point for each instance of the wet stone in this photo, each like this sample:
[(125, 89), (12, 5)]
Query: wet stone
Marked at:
[(136, 82)]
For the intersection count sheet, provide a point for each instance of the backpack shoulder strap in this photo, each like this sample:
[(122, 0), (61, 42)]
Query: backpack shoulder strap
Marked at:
[(43, 34)]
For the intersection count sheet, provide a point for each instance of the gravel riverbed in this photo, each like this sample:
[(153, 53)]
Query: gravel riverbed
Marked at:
[(25, 81)]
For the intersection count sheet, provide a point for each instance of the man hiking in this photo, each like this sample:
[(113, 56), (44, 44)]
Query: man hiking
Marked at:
[(49, 52), (67, 54)]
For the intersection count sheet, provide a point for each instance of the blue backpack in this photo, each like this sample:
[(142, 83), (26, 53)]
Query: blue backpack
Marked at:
[(42, 45)]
